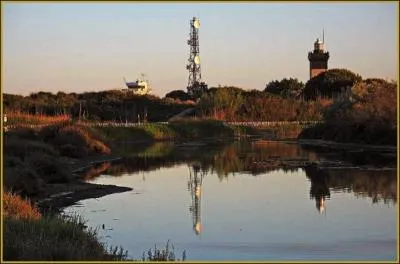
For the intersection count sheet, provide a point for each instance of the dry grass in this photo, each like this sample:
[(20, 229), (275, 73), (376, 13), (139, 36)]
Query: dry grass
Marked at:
[(74, 140), (17, 208), (24, 118), (79, 133)]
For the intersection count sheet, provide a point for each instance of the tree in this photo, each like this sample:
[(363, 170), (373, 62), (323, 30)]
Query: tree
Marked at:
[(375, 101), (330, 84), (286, 88), (178, 94), (221, 103)]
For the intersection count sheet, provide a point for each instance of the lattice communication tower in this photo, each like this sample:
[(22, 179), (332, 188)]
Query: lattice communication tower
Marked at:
[(195, 86)]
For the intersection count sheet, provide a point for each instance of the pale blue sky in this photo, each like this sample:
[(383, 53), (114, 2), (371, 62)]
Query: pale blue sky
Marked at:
[(76, 47)]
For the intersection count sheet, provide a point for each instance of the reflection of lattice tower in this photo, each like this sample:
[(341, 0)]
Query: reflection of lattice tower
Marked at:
[(195, 87), (318, 58), (194, 186)]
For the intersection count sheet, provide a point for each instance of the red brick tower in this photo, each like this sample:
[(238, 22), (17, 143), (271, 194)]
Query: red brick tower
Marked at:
[(318, 58)]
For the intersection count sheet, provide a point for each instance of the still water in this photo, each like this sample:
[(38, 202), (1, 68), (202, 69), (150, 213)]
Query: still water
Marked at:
[(250, 200)]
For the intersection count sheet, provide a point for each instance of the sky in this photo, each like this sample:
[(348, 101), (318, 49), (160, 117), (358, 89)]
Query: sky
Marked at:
[(86, 47)]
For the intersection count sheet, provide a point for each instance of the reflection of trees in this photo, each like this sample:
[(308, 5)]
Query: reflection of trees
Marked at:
[(96, 170), (224, 159), (379, 185), (258, 157), (139, 164)]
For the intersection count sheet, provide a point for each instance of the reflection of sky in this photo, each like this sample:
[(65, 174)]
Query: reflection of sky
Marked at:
[(243, 217)]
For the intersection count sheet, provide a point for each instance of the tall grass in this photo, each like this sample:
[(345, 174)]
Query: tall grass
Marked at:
[(15, 118), (180, 129), (17, 208), (74, 140), (166, 254), (54, 238), (191, 128), (28, 235)]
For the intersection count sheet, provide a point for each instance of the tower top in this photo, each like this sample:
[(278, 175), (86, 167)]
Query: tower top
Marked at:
[(318, 41), (319, 45)]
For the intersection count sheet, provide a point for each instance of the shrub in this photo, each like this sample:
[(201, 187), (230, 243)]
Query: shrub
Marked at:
[(73, 151), (80, 140), (23, 180), (23, 132), (50, 169), (20, 147)]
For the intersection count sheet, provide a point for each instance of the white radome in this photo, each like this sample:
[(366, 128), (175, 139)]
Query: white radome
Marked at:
[(196, 23), (197, 60)]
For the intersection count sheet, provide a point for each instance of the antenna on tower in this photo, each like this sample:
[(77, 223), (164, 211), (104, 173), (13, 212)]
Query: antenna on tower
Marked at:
[(323, 36)]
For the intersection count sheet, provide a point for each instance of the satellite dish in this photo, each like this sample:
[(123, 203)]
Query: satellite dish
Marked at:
[(197, 59), (196, 23)]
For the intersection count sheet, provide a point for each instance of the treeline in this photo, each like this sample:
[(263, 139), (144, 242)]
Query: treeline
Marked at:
[(281, 100), (335, 96), (110, 105), (234, 104)]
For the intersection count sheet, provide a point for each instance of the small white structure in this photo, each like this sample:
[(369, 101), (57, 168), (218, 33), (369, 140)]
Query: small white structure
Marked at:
[(140, 87)]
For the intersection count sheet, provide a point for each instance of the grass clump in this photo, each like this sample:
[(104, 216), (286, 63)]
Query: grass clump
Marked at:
[(166, 254), (23, 180), (189, 129), (74, 141), (160, 131), (28, 235), (53, 238), (17, 117), (16, 207), (50, 169)]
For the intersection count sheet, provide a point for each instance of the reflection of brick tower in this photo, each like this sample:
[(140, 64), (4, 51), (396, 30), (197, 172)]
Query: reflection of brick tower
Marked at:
[(318, 58)]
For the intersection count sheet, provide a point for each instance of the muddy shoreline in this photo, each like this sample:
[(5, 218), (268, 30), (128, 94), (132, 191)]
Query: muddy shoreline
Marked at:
[(61, 195), (75, 192)]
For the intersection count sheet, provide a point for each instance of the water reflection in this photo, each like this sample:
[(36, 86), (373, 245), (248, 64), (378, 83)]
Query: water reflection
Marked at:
[(319, 189), (196, 175), (326, 171), (238, 201)]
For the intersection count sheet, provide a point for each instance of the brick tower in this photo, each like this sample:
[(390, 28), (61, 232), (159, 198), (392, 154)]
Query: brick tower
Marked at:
[(318, 58)]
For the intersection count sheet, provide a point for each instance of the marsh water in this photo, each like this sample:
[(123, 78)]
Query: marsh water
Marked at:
[(248, 200)]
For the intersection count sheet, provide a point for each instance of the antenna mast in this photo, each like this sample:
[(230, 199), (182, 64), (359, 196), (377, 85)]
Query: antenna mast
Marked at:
[(195, 86)]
